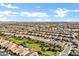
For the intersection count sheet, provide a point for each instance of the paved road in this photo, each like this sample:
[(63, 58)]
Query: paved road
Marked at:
[(66, 51)]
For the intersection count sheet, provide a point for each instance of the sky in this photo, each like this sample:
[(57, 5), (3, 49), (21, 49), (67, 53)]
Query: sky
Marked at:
[(39, 12)]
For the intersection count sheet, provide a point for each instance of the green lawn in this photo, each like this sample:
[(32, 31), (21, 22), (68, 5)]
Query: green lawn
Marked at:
[(42, 48), (35, 45)]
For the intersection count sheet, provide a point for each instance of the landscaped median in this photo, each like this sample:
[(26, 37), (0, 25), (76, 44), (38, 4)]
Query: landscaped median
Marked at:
[(33, 45)]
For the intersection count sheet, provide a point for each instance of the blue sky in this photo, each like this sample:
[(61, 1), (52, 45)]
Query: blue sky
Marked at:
[(39, 12)]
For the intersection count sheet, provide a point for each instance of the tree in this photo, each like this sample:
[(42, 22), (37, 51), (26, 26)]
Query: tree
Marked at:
[(49, 49), (42, 48)]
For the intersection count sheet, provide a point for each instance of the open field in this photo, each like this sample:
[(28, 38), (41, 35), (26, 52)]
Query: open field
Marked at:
[(40, 47)]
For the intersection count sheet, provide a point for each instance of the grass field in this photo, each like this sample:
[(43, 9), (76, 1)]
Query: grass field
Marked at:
[(38, 46), (41, 47)]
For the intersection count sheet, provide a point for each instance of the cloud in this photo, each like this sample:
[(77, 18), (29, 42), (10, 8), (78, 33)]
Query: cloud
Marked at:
[(38, 7), (4, 19), (7, 13), (43, 20), (61, 12), (34, 14), (77, 10), (8, 6), (71, 20), (4, 14), (68, 20)]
